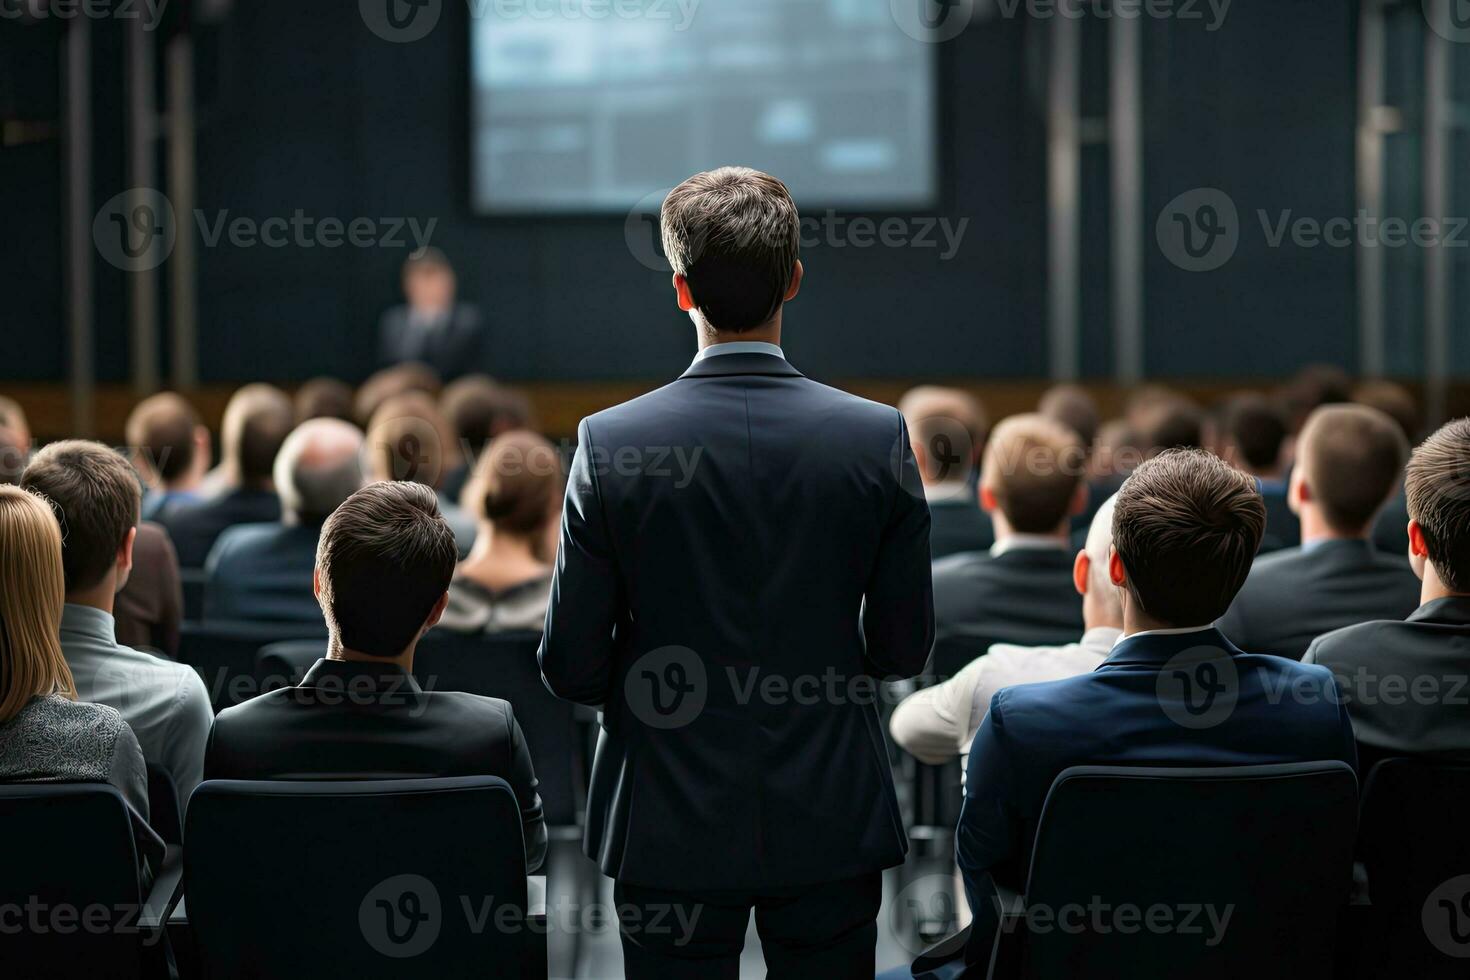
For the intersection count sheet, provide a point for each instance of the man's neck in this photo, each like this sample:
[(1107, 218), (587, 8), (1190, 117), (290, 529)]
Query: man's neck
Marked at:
[(336, 651), (767, 333), (1137, 621), (1005, 533), (101, 596), (1315, 527), (1433, 587)]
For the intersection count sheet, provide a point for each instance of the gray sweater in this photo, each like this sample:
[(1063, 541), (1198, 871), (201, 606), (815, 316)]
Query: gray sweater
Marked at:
[(56, 740)]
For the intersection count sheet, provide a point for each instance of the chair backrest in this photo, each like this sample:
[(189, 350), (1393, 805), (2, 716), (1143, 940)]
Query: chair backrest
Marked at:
[(165, 812), (70, 872), (224, 651), (192, 582), (503, 665), (421, 877), (1414, 840), (1217, 872)]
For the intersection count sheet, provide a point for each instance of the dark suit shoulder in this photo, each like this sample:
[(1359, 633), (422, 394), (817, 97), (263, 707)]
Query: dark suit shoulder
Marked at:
[(1360, 641)]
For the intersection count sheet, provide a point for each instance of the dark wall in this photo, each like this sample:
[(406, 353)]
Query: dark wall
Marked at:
[(302, 107)]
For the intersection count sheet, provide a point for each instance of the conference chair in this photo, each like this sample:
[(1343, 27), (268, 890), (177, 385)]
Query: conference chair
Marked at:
[(1224, 872), (406, 877), (69, 881), (164, 807), (224, 654), (192, 580), (1416, 852)]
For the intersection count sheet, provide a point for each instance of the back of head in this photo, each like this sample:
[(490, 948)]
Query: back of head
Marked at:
[(1312, 387), (1033, 466), (1393, 400), (32, 591), (323, 398), (13, 417), (479, 409), (733, 234), (516, 484), (161, 430), (12, 455), (1072, 406), (1255, 427), (384, 560), (409, 439), (949, 426), (257, 420), (1170, 423), (1099, 545), (318, 467), (1350, 457), (389, 383), (1437, 485), (1187, 526), (96, 497)]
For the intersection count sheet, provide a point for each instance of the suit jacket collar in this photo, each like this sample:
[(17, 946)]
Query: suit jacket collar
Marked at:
[(1155, 649), (350, 675), (1450, 610), (732, 364)]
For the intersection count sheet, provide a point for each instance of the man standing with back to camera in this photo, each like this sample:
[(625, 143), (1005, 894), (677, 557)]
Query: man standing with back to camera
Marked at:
[(730, 615)]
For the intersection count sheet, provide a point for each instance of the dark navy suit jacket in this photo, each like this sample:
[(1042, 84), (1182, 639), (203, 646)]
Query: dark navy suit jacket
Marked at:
[(262, 572), (195, 524), (742, 552), (1142, 707)]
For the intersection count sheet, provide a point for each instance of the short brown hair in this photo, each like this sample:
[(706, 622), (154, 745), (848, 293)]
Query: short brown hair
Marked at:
[(479, 408), (1393, 400), (951, 427), (516, 483), (1351, 457), (1256, 426), (257, 420), (1187, 526), (390, 383), (1072, 406), (410, 439), (1437, 485), (96, 497), (734, 235), (320, 398), (1034, 466), (161, 428), (1171, 423), (385, 558)]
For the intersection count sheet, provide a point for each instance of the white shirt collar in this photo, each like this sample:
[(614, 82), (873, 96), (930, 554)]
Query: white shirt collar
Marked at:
[(1026, 542), (1172, 631), (739, 347), (950, 490)]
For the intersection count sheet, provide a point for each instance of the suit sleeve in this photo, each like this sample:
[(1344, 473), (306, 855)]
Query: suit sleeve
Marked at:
[(989, 827), (576, 651), (898, 608), (523, 782)]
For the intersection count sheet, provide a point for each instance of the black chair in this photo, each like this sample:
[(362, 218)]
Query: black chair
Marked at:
[(1414, 845), (192, 580), (224, 652), (70, 878), (164, 807), (407, 877), (1163, 855)]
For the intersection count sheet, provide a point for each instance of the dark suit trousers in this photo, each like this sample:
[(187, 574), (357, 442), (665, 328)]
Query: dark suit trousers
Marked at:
[(825, 930)]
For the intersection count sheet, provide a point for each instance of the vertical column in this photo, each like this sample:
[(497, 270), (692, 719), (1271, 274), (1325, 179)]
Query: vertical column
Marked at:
[(1436, 164), (183, 276), (76, 165), (141, 126), (1125, 131), (1063, 180), (1370, 185)]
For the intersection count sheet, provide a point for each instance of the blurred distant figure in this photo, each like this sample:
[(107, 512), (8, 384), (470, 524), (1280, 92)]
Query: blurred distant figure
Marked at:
[(947, 430), (391, 382), (516, 494), (1252, 438), (1168, 420), (1391, 530), (169, 448), (13, 417), (479, 408), (1072, 406), (431, 327), (13, 453), (323, 398), (263, 571), (257, 420), (409, 439), (1312, 387)]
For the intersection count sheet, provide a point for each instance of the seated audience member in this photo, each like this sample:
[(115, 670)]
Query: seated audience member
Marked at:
[(46, 734), (1185, 527), (937, 723), (1310, 388), (13, 417), (1400, 678), (323, 398), (257, 420), (516, 494), (391, 382), (1073, 407), (478, 408), (1349, 458), (150, 606), (408, 438), (95, 494), (13, 453), (1020, 591), (1252, 438), (947, 430), (1168, 420), (385, 561), (263, 571), (170, 450), (1391, 529)]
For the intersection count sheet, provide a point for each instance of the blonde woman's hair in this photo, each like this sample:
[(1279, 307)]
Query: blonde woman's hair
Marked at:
[(32, 590)]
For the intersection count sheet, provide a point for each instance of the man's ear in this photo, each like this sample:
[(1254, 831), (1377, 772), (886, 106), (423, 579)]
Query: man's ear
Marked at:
[(1117, 574), (681, 290), (316, 583), (921, 457), (1297, 491), (435, 613), (1079, 499), (1081, 569), (125, 554), (987, 500), (1417, 545), (795, 286)]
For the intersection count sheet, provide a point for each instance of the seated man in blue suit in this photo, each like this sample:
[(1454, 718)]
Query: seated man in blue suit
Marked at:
[(1174, 691)]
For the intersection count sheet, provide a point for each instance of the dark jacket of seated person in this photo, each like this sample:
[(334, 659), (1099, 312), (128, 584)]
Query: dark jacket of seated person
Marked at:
[(1349, 460), (386, 559), (1407, 683), (1167, 695)]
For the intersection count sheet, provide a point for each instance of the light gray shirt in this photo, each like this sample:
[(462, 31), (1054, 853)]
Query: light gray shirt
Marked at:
[(165, 703)]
